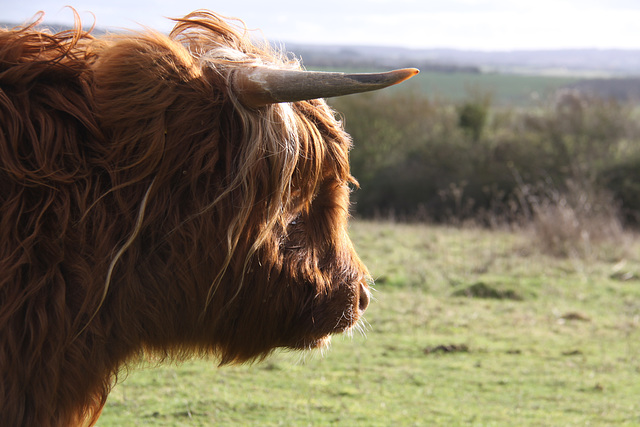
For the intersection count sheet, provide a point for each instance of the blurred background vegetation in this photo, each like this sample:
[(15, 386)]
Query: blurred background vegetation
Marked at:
[(560, 159)]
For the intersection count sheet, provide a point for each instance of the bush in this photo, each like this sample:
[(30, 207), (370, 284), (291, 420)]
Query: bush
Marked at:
[(472, 116), (622, 179), (419, 158)]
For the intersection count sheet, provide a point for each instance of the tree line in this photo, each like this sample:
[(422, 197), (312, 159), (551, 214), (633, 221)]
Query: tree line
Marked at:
[(425, 159)]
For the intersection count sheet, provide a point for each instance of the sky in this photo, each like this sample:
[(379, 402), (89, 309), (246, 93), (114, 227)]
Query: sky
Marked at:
[(460, 24)]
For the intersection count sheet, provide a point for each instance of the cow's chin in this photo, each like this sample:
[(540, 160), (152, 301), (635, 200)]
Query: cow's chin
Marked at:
[(324, 342), (322, 338), (315, 344)]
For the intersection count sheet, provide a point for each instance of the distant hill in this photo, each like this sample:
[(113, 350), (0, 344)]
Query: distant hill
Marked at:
[(610, 62), (603, 73), (368, 57)]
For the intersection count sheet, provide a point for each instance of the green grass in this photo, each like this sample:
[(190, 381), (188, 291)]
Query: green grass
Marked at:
[(505, 89), (565, 352)]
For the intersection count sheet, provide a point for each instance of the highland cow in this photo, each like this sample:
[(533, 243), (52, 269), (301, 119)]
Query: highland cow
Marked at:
[(175, 195)]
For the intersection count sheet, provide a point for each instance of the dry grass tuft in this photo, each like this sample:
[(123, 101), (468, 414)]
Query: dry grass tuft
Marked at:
[(578, 222)]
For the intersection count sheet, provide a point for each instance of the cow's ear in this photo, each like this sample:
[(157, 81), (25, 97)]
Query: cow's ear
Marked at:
[(258, 86)]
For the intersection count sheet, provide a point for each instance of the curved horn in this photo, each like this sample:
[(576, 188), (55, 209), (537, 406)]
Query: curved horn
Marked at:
[(260, 86)]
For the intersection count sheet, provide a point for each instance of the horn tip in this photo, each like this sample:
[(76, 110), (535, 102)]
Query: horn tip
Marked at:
[(405, 74)]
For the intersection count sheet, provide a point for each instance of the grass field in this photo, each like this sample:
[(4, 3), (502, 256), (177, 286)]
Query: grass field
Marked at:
[(468, 327), (504, 89)]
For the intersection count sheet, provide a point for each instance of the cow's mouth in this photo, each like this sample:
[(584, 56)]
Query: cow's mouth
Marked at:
[(345, 325), (341, 315)]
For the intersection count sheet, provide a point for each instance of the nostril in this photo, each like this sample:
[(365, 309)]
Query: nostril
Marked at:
[(363, 300)]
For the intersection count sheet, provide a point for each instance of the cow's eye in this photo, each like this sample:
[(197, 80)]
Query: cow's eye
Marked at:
[(295, 220)]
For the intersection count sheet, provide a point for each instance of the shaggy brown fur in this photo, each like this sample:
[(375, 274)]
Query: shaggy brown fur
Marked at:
[(144, 209)]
